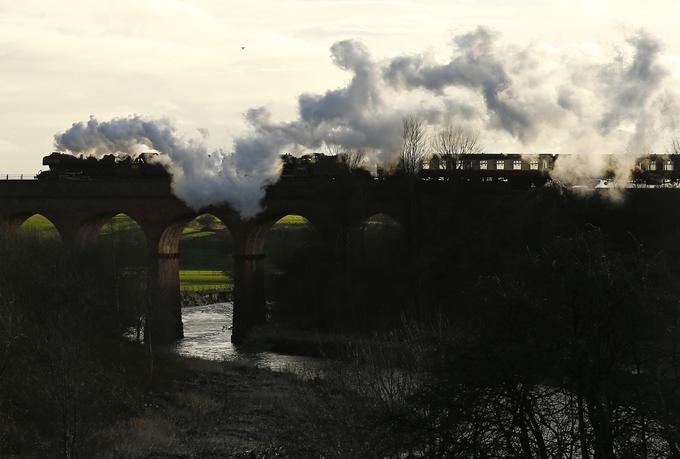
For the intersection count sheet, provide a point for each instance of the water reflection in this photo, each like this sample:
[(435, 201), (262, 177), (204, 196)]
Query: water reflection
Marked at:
[(207, 335)]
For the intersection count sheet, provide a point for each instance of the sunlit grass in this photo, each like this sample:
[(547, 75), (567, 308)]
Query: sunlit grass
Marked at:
[(190, 230), (195, 234), (39, 226), (204, 280), (293, 220), (190, 279), (119, 223)]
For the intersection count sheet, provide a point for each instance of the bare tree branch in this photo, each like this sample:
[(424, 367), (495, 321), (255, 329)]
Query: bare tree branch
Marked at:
[(334, 149), (674, 148), (453, 141), (412, 145), (353, 157)]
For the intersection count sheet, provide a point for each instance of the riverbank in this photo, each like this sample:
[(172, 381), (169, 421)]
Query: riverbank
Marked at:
[(289, 341), (204, 297), (194, 408), (201, 408)]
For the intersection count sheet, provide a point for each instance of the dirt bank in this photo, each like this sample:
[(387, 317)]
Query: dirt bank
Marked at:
[(199, 408)]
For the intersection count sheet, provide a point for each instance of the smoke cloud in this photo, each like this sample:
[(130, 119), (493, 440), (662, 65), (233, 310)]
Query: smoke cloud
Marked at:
[(583, 101)]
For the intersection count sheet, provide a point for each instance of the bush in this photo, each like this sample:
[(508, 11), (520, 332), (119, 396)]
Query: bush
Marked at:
[(61, 360)]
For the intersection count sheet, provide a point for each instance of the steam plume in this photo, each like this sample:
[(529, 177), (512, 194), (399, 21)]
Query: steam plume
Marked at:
[(563, 100), (199, 177)]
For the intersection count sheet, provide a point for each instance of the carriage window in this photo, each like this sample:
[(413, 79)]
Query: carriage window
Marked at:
[(459, 165), (517, 165), (482, 165), (533, 165), (652, 166), (500, 165), (668, 165)]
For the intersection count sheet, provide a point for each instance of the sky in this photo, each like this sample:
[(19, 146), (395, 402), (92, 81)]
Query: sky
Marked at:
[(62, 62)]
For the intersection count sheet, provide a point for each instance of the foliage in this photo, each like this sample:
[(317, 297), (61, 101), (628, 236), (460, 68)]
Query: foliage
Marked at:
[(570, 355), (61, 322)]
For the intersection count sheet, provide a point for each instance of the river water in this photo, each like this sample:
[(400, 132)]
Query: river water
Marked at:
[(207, 335)]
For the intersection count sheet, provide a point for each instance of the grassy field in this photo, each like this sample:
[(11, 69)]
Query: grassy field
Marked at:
[(39, 226), (120, 222), (292, 220), (197, 280), (205, 261)]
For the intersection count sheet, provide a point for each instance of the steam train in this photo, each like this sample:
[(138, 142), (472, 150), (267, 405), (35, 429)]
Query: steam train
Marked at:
[(491, 167), (510, 168), (515, 169), (63, 166), (319, 165), (536, 170)]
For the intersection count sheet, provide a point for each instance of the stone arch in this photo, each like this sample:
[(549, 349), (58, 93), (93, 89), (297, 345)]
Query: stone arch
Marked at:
[(283, 284), (90, 229), (206, 245), (134, 236), (169, 239), (41, 225), (164, 279), (255, 240), (118, 245), (376, 233), (383, 216)]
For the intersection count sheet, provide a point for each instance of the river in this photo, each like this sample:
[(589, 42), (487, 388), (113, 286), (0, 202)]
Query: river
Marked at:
[(207, 335)]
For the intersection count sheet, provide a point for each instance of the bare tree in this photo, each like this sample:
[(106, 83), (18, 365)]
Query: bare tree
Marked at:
[(453, 141), (674, 148), (334, 149), (353, 157), (412, 145)]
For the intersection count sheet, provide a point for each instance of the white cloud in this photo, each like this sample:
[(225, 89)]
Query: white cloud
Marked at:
[(62, 61)]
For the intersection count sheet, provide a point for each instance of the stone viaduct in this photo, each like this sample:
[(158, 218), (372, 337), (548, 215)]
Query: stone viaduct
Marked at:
[(79, 209)]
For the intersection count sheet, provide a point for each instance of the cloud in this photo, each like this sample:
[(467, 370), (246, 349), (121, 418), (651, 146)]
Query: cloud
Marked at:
[(534, 95)]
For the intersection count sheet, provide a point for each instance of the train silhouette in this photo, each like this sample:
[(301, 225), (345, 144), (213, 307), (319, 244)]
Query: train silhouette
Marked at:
[(64, 166), (515, 169)]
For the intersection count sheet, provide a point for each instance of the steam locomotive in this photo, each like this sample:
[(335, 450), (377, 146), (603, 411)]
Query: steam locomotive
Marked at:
[(63, 166)]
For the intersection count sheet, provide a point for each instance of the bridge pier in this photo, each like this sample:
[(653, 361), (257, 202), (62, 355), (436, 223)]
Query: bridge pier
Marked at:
[(164, 313), (249, 295)]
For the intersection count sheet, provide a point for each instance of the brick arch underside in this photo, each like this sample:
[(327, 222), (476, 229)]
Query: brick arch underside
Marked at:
[(168, 241), (257, 236)]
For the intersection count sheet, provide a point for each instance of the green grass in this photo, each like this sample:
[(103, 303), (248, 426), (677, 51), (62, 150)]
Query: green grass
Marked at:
[(192, 233), (39, 226), (205, 256), (205, 247), (293, 220), (120, 222), (194, 280)]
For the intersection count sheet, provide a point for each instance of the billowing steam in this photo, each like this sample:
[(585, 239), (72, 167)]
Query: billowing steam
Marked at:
[(572, 100), (199, 177)]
